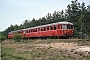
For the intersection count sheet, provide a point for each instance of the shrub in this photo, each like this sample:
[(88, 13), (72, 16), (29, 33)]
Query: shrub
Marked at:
[(2, 38), (76, 52), (89, 37), (17, 37), (88, 52)]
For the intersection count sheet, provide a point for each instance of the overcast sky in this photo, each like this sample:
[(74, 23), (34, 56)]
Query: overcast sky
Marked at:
[(16, 11)]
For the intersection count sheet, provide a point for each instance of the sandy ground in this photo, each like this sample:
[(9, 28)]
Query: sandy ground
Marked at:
[(67, 46), (83, 48), (60, 45)]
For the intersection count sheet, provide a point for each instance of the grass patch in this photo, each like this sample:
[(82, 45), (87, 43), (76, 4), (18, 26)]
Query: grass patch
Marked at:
[(9, 51), (11, 54)]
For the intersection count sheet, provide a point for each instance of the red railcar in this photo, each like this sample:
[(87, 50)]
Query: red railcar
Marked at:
[(59, 29)]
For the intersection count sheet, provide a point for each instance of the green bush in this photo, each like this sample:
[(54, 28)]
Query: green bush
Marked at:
[(89, 37), (2, 38), (17, 37)]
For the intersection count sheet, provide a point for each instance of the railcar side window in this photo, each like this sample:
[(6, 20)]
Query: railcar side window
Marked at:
[(41, 29), (44, 28), (47, 28), (58, 26), (54, 27), (36, 30), (33, 30), (23, 31), (29, 31), (19, 32), (50, 27)]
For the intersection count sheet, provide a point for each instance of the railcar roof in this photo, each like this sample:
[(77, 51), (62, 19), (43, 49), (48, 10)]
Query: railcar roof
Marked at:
[(64, 22), (50, 24)]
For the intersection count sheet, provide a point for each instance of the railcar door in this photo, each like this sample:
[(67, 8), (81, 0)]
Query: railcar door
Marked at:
[(64, 29)]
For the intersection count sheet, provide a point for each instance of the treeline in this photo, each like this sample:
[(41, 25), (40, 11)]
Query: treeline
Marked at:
[(76, 13)]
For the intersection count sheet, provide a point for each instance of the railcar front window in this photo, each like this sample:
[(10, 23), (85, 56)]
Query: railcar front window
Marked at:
[(70, 26), (64, 26)]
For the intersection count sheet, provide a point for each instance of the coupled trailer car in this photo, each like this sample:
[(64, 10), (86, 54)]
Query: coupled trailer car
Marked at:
[(59, 29)]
